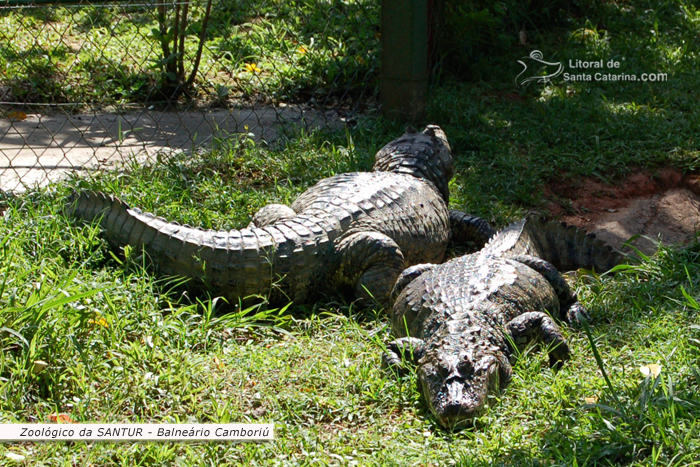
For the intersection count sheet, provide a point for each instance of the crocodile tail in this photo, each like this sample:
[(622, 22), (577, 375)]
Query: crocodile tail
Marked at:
[(237, 263), (565, 246)]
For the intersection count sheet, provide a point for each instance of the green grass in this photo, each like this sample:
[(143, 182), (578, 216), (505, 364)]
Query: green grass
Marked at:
[(512, 139), (124, 346), (259, 49)]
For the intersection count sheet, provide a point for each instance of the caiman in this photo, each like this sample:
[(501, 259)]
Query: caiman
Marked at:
[(461, 321), (354, 231)]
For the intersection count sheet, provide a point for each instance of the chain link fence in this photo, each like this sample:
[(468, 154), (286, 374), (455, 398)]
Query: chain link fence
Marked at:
[(84, 85)]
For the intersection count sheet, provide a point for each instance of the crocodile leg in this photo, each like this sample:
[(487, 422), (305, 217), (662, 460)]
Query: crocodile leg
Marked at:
[(371, 262), (466, 228), (570, 306), (574, 312), (400, 350), (408, 276), (549, 272), (536, 324), (270, 214)]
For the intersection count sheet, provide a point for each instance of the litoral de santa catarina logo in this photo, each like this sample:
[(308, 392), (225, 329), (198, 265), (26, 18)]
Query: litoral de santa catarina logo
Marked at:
[(582, 70), (536, 64)]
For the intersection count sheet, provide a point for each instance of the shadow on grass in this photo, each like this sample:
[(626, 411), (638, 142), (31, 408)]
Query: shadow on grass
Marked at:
[(509, 140), (506, 149)]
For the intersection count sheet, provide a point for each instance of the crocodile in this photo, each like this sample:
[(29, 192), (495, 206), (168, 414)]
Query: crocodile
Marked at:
[(353, 232), (461, 322)]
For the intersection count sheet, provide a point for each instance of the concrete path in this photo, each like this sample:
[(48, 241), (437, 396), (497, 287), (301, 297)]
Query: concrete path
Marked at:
[(44, 148)]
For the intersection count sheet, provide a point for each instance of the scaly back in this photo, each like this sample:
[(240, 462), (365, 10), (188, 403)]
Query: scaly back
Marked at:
[(567, 247)]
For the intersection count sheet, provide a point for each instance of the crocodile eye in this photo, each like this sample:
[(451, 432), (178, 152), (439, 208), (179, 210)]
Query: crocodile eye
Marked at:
[(465, 367), (429, 371), (486, 365), (442, 370)]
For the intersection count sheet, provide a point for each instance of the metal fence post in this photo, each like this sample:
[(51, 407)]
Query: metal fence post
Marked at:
[(404, 73)]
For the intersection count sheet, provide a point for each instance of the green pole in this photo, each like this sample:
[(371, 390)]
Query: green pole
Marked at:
[(404, 73)]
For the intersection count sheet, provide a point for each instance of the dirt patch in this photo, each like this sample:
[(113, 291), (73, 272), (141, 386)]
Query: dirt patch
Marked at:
[(662, 205)]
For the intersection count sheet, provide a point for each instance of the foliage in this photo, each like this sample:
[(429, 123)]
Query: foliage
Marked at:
[(257, 50), (470, 30), (172, 43), (512, 140)]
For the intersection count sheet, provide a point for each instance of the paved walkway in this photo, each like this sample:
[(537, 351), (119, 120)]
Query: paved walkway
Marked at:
[(44, 148)]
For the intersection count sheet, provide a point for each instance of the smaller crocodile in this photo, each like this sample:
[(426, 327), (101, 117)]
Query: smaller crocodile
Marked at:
[(461, 321)]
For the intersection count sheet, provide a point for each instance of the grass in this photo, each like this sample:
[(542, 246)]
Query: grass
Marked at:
[(124, 346), (269, 50), (512, 139)]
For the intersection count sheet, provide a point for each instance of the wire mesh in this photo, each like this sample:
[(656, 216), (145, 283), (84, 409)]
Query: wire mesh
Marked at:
[(84, 85)]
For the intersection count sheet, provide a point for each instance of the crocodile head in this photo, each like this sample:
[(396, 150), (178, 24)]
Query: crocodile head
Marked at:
[(457, 381), (426, 155)]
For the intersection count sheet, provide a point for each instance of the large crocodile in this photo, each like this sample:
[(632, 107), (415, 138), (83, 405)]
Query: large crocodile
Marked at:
[(461, 321), (355, 231)]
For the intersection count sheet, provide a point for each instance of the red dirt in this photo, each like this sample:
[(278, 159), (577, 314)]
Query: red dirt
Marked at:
[(588, 196), (662, 204)]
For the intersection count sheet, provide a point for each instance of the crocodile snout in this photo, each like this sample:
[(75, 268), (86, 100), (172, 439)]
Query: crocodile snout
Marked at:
[(457, 391), (459, 404)]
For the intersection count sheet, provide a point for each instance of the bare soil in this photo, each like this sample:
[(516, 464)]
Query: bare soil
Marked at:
[(663, 205)]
